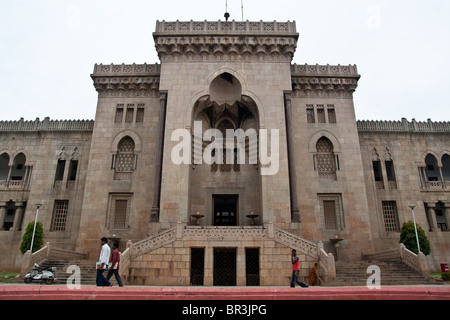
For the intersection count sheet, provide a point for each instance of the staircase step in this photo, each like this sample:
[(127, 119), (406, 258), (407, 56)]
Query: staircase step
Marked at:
[(393, 272)]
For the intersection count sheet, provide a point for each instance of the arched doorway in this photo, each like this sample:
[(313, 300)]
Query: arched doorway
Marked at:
[(225, 181)]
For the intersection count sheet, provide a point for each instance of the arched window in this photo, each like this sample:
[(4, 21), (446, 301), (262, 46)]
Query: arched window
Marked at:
[(446, 167), (4, 169), (125, 159), (325, 160), (431, 168)]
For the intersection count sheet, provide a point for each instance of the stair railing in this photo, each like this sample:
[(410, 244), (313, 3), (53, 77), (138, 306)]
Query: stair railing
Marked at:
[(417, 262), (45, 253)]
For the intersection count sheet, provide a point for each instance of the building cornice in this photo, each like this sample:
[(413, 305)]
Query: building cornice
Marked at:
[(404, 125), (225, 41), (324, 80), (127, 79)]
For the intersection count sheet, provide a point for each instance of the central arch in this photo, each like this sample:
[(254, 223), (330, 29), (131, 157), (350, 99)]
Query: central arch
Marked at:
[(228, 190)]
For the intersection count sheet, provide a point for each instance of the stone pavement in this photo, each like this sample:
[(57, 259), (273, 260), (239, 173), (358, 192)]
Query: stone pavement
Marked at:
[(60, 292)]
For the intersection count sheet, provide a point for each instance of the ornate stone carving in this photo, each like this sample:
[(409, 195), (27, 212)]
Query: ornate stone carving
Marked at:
[(225, 41), (127, 80), (324, 80), (224, 233)]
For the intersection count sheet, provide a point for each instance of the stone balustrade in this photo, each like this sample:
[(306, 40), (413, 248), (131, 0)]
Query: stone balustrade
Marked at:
[(47, 125), (403, 126)]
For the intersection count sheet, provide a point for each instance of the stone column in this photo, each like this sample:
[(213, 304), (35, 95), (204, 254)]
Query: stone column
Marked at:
[(295, 213), (2, 214), (241, 279), (447, 214), (208, 279), (18, 216), (154, 216), (432, 216)]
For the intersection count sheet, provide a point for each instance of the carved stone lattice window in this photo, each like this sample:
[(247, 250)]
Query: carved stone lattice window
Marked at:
[(390, 216), (310, 113), (331, 113), (325, 160), (125, 159), (320, 113), (59, 215)]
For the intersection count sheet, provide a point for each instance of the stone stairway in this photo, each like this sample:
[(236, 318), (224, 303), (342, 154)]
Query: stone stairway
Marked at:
[(393, 273), (87, 270)]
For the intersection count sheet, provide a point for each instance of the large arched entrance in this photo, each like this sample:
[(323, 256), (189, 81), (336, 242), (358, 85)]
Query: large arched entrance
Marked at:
[(225, 180)]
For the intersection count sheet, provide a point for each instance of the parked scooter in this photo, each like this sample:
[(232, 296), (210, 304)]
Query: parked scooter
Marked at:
[(41, 275)]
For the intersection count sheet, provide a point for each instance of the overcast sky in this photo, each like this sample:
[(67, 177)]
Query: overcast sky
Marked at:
[(48, 49)]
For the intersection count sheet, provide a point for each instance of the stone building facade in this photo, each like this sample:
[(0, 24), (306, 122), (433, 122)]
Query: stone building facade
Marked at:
[(147, 173)]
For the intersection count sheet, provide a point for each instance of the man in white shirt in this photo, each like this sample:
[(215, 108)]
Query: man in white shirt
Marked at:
[(102, 264)]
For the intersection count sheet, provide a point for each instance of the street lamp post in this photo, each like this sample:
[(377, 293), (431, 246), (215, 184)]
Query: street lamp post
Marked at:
[(35, 222), (415, 227)]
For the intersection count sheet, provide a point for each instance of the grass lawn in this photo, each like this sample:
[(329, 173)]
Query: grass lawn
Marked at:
[(8, 276)]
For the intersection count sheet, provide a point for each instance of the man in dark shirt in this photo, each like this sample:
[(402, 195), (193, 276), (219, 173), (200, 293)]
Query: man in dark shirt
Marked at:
[(114, 269)]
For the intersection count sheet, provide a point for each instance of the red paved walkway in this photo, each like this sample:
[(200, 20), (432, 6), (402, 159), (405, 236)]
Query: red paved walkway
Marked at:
[(55, 292)]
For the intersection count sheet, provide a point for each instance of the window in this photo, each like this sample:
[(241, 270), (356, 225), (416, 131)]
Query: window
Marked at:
[(130, 113), (310, 113), (331, 212), (60, 170), (119, 211), (377, 171), (140, 113), (331, 114), (390, 216), (120, 216), (320, 114), (390, 172), (125, 160), (325, 160), (119, 114), (59, 215), (73, 170), (431, 170)]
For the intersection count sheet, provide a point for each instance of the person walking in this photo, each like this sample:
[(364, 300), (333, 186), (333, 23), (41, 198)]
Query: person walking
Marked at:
[(102, 264), (114, 269), (296, 271)]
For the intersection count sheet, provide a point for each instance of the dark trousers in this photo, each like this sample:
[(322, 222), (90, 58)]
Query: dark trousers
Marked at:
[(101, 280), (294, 280), (116, 274)]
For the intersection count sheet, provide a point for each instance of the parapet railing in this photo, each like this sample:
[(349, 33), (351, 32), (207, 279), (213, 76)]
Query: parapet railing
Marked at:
[(181, 231), (415, 261), (47, 125), (47, 252), (126, 69), (298, 70), (225, 27), (403, 126)]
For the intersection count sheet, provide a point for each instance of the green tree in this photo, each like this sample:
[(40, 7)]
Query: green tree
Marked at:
[(408, 238), (28, 235)]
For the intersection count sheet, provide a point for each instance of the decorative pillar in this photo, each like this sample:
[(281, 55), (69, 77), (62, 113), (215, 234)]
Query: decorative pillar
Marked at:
[(432, 216), (447, 214), (2, 214), (295, 212), (18, 217), (154, 216)]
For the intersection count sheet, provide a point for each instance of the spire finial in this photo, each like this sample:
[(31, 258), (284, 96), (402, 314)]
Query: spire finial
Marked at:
[(227, 15)]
